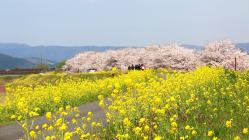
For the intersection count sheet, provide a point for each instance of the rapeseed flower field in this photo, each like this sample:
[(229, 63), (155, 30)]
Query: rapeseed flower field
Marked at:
[(207, 103)]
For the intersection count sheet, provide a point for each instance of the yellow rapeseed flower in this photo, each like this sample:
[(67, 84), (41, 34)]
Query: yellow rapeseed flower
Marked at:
[(182, 138), (32, 134), (13, 117), (63, 127), (126, 122), (194, 133), (44, 126), (158, 138), (48, 116), (146, 128), (74, 121), (237, 138), (90, 114), (33, 114), (37, 127), (215, 138), (137, 130), (245, 131), (50, 128), (100, 97), (68, 107), (47, 138), (229, 123), (58, 122), (142, 121), (68, 136), (187, 127), (210, 133), (174, 124)]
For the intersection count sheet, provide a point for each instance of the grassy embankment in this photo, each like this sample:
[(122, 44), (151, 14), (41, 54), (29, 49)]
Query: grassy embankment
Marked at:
[(40, 86), (207, 103)]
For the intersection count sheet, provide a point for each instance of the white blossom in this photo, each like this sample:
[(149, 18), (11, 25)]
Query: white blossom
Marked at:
[(155, 56), (223, 53), (220, 53)]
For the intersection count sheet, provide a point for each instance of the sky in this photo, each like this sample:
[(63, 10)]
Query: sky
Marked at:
[(123, 22)]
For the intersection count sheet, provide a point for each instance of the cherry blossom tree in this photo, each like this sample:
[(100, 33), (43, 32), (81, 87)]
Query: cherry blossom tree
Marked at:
[(220, 53), (223, 53), (155, 56)]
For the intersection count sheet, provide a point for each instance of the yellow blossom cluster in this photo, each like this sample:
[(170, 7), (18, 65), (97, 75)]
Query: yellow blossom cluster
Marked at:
[(207, 103), (66, 124), (23, 100)]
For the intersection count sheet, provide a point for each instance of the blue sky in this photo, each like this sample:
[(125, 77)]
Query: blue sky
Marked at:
[(123, 22)]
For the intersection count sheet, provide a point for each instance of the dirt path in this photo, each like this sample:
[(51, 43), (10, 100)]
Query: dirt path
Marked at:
[(14, 132)]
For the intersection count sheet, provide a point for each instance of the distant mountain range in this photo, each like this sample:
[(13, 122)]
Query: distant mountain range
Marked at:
[(14, 55), (53, 53), (195, 47), (243, 46), (9, 62)]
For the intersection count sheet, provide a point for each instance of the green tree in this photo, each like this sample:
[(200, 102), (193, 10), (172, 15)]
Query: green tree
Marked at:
[(60, 65)]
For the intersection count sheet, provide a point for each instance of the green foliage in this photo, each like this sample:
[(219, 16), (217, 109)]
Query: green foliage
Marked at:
[(53, 77), (60, 65), (5, 79)]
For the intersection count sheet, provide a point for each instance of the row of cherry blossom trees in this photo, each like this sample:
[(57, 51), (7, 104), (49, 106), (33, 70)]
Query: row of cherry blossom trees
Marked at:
[(223, 53), (220, 53)]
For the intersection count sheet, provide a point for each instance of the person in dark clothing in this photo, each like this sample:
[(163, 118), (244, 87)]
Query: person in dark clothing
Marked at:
[(129, 67), (139, 67), (132, 67), (136, 67)]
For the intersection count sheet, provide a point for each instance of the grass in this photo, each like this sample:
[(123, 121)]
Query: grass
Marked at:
[(1, 98), (52, 77), (4, 79)]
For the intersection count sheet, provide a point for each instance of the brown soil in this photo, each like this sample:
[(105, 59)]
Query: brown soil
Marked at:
[(2, 89)]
